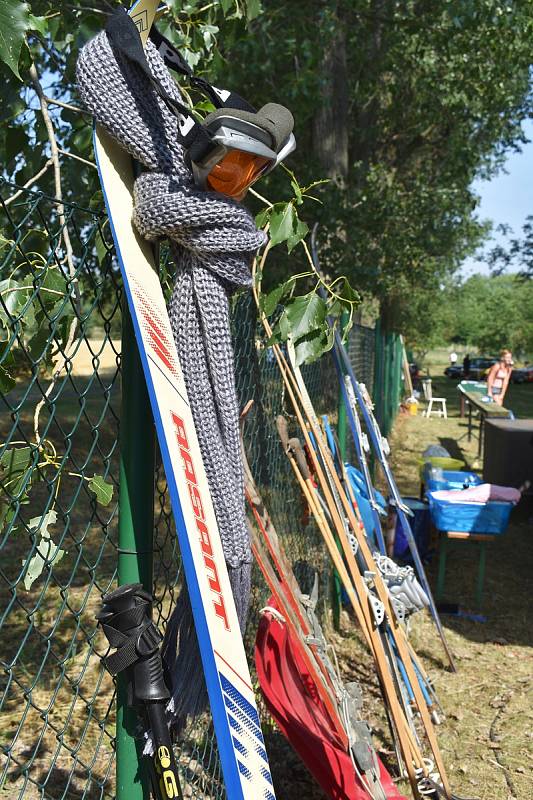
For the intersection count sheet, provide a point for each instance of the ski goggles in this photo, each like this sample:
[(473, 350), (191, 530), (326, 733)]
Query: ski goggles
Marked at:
[(235, 145)]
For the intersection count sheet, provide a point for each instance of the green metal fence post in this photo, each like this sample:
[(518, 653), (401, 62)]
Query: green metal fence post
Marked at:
[(136, 526), (336, 586)]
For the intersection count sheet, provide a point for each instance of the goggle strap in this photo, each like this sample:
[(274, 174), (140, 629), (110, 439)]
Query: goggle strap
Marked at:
[(124, 36), (173, 59)]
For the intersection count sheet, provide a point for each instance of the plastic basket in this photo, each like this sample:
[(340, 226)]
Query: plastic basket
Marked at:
[(452, 479), (491, 517), (439, 461)]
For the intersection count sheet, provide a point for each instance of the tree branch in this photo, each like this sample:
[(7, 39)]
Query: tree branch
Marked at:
[(77, 109), (68, 247), (77, 158), (29, 183)]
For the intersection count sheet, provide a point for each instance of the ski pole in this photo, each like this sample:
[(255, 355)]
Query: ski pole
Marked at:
[(126, 620), (343, 363), (375, 435), (360, 446), (294, 393), (358, 594)]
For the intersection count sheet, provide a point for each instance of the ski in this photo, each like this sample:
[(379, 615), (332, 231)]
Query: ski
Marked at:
[(379, 443), (237, 727), (381, 449)]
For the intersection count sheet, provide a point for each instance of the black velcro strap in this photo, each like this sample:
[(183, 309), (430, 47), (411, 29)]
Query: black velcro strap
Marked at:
[(130, 648), (174, 60), (124, 657)]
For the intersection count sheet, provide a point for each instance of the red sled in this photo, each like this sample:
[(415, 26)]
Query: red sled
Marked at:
[(295, 703)]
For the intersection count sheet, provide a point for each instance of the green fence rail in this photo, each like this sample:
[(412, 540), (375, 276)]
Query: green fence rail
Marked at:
[(75, 428)]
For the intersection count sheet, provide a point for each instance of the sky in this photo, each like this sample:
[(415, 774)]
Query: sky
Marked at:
[(507, 198)]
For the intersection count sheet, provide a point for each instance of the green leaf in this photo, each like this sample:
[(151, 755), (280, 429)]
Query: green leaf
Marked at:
[(297, 192), (52, 288), (263, 217), (313, 345), (38, 344), (253, 9), (226, 5), (280, 332), (305, 314), (204, 105), (100, 247), (269, 302), (190, 57), (300, 231), (14, 296), (102, 490), (208, 33), (285, 226), (14, 22), (47, 553), (348, 293), (39, 24), (15, 464), (6, 381), (281, 222)]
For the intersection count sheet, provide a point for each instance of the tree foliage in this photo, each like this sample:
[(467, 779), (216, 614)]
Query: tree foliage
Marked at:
[(493, 312), (401, 104), (516, 253), (435, 93), (485, 312)]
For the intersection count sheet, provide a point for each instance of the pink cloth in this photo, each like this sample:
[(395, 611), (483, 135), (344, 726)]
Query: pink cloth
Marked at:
[(479, 494)]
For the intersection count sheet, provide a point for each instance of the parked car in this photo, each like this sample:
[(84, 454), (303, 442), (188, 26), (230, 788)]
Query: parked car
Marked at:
[(455, 371), (522, 375), (479, 367)]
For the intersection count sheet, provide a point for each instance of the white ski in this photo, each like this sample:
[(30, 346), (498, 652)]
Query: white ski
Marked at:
[(236, 721)]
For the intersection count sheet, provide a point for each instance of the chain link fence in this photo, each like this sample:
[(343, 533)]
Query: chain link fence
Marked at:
[(60, 392)]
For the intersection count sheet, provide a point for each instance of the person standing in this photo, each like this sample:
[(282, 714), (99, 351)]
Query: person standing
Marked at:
[(453, 358), (466, 366), (499, 377)]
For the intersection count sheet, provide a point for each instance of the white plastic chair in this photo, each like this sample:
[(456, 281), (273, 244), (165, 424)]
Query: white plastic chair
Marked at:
[(428, 394)]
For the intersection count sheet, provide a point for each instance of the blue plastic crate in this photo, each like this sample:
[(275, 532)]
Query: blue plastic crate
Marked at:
[(491, 517), (452, 479)]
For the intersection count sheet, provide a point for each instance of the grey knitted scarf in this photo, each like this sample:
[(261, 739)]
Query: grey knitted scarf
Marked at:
[(212, 240)]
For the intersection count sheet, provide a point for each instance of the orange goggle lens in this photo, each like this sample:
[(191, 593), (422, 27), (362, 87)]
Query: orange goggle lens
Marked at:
[(236, 172)]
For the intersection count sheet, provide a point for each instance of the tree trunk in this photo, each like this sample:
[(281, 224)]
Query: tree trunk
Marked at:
[(330, 123)]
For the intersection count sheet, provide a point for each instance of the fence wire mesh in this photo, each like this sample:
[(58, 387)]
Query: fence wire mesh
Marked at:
[(60, 392), (60, 395)]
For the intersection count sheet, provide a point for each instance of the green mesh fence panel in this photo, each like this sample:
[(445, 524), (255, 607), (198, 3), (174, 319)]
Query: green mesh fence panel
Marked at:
[(361, 350), (388, 383), (60, 391)]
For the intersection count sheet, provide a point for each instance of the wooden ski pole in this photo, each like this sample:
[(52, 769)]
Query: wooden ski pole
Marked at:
[(293, 392), (381, 591), (364, 613), (296, 448)]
